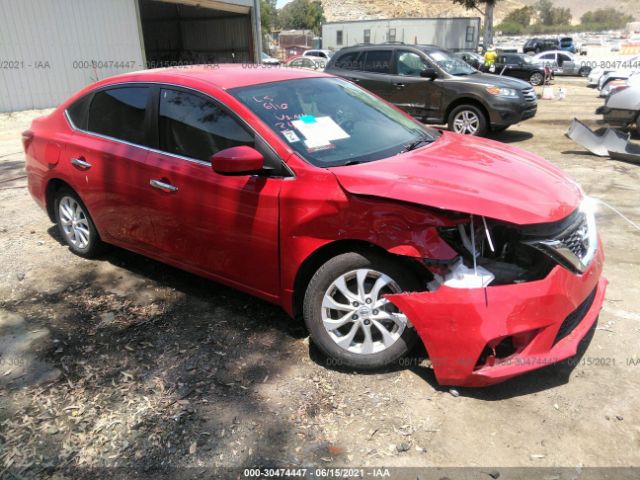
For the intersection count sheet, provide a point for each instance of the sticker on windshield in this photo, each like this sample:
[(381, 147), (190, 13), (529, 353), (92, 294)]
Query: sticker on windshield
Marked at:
[(321, 132), (291, 136), (307, 119)]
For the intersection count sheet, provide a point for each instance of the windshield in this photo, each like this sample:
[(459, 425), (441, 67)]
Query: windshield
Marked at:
[(450, 63), (330, 122)]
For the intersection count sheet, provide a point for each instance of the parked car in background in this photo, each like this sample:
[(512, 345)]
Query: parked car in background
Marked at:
[(567, 44), (621, 68), (474, 59), (326, 54), (622, 108), (308, 62), (563, 63), (437, 87), (537, 45), (268, 60), (307, 191), (520, 66), (618, 85)]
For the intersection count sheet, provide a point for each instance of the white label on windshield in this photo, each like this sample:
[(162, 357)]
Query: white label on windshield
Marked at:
[(291, 136), (319, 130)]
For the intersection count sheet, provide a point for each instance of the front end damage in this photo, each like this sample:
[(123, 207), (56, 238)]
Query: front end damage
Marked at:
[(517, 298)]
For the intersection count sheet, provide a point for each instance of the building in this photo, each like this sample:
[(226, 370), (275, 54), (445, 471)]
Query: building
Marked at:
[(51, 49), (451, 33)]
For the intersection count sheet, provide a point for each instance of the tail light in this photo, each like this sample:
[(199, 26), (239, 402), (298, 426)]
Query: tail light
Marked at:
[(27, 138)]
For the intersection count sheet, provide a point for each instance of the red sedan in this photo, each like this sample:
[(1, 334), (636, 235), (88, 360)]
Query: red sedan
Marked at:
[(307, 191)]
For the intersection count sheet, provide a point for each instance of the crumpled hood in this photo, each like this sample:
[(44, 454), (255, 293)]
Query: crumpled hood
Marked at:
[(470, 175)]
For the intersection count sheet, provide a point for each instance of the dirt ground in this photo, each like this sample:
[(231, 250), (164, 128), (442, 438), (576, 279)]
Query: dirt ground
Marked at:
[(124, 361)]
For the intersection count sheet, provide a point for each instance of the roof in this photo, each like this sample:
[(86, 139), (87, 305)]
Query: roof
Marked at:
[(223, 76)]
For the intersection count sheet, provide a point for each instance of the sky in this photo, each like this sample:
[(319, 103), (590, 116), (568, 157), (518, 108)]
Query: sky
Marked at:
[(281, 3)]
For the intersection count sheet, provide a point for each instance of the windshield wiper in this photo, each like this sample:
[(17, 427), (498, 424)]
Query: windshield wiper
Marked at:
[(416, 144)]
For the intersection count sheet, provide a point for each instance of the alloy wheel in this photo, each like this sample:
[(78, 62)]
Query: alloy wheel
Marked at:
[(536, 79), (466, 122), (356, 315), (75, 223)]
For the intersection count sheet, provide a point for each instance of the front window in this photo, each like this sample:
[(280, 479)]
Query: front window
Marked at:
[(450, 63), (409, 63), (330, 122), (192, 126)]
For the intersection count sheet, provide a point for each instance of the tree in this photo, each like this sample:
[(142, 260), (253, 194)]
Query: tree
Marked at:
[(521, 16), (268, 15), (605, 19), (302, 14), (550, 15), (489, 6)]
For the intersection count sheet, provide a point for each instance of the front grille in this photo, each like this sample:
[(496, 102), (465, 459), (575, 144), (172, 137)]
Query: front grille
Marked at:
[(574, 318), (529, 95), (576, 239)]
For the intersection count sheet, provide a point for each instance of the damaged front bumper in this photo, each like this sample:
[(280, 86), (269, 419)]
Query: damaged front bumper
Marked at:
[(482, 336)]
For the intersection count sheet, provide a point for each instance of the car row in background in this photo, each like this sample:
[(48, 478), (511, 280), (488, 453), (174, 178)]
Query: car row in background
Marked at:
[(514, 65), (567, 44), (437, 87)]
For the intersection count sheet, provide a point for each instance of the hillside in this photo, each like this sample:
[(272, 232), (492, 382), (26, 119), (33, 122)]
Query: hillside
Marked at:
[(336, 10)]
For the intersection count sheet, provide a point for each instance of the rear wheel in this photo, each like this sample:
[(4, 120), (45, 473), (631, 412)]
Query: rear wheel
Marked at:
[(536, 79), (468, 120), (75, 224), (584, 71), (348, 317)]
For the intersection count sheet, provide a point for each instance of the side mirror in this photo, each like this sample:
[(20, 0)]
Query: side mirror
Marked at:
[(242, 160), (429, 73)]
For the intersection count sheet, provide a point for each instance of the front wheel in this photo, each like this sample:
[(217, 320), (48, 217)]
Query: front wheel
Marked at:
[(536, 79), (348, 317), (468, 120)]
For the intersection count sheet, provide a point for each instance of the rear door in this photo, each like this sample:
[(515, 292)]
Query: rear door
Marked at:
[(108, 159), (225, 226), (376, 72)]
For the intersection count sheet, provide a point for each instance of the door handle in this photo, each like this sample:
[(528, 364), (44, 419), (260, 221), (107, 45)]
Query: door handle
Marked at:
[(400, 85), (165, 187), (80, 162)]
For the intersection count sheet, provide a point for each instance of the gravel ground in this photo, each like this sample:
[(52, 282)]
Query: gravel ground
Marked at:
[(123, 361)]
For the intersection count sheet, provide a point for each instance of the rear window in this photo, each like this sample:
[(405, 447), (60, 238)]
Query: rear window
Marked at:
[(378, 61), (120, 113), (78, 112), (348, 61)]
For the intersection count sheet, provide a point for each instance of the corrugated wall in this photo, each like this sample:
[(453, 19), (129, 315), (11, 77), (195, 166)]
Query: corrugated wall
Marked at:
[(46, 48)]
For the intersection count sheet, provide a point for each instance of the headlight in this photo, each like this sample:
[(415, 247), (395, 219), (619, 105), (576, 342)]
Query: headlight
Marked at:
[(502, 92)]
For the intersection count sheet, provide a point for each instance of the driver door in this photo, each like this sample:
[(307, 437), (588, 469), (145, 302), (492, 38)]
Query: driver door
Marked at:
[(223, 226), (418, 96)]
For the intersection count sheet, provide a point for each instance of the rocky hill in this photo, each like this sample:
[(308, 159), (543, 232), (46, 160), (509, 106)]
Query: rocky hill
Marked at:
[(336, 10)]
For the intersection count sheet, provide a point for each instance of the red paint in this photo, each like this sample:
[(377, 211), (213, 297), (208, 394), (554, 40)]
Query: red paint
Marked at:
[(456, 324), (255, 233)]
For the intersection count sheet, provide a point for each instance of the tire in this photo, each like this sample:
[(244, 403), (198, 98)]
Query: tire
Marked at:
[(536, 79), (584, 71), (346, 341), (460, 121), (75, 224)]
